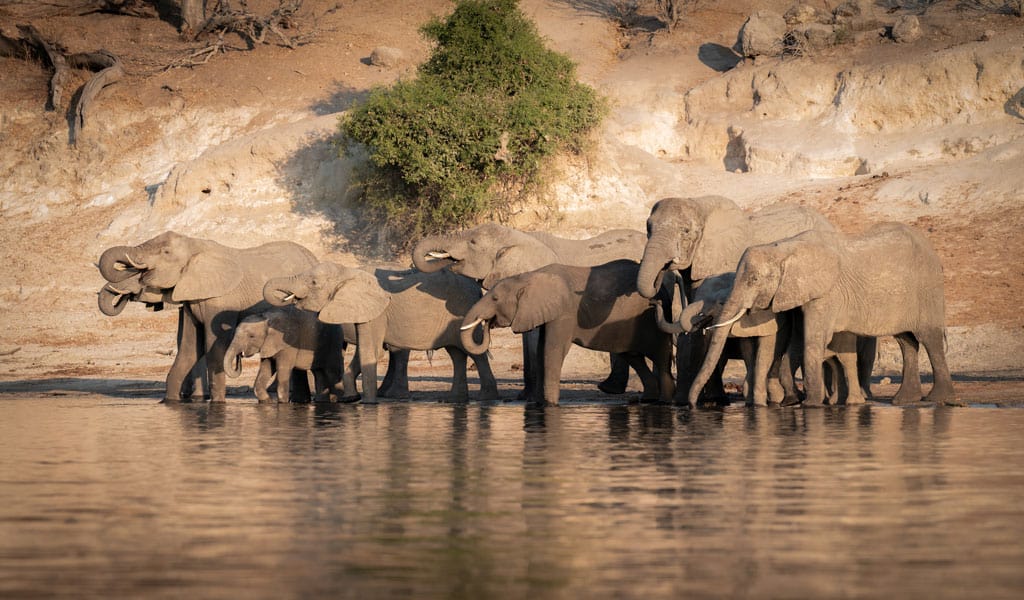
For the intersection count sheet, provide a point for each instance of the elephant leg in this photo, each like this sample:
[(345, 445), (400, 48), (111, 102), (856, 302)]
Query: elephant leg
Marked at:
[(763, 359), (368, 350), (867, 348), (910, 387), (396, 378), (662, 359), (555, 340), (488, 384), (748, 352), (942, 391), (349, 392), (187, 357), (618, 377), (531, 367), (299, 388), (459, 391), (323, 381), (814, 351), (219, 330), (651, 390), (846, 376), (263, 379)]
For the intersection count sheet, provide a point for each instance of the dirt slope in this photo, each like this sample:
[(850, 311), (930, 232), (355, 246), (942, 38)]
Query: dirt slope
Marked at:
[(238, 149)]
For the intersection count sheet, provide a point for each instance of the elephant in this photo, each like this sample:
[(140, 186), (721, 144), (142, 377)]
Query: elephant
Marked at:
[(705, 236), (406, 310), (114, 297), (287, 339), (218, 285), (594, 307), (885, 281), (760, 338), (490, 252)]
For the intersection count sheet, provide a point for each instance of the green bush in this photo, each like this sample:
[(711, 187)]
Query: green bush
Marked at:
[(463, 139)]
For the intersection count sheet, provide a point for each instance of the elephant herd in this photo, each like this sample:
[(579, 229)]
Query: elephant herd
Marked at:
[(779, 288)]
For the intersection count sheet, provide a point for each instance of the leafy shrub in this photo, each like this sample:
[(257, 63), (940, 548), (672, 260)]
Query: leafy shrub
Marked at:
[(468, 134)]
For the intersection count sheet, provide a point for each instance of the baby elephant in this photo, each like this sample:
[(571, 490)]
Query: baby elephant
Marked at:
[(594, 307), (402, 310), (287, 339)]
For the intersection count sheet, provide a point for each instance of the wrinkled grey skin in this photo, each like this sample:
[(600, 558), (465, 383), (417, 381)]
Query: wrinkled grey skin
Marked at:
[(857, 284), (705, 236), (593, 307), (401, 309), (219, 285), (287, 339), (490, 252)]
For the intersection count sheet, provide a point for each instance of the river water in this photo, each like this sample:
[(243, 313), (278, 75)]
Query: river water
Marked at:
[(120, 497)]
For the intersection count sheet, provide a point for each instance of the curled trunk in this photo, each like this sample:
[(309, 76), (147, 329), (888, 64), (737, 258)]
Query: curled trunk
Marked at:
[(468, 336), (111, 302), (233, 361), (278, 291), (430, 254), (115, 264)]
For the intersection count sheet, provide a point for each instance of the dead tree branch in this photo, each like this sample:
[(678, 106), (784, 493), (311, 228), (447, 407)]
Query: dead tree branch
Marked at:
[(110, 71)]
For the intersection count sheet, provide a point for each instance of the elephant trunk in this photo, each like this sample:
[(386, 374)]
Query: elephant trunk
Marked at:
[(430, 254), (656, 259), (233, 361), (116, 264), (111, 302), (280, 291), (711, 358), (467, 332)]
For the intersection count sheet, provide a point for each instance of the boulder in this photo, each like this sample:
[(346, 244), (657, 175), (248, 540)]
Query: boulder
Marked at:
[(762, 34), (907, 29), (383, 56), (802, 13)]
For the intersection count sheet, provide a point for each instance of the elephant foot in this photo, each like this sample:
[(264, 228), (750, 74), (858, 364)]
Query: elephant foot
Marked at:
[(174, 400), (790, 401), (610, 386), (349, 399), (945, 397), (901, 399), (812, 404), (395, 394)]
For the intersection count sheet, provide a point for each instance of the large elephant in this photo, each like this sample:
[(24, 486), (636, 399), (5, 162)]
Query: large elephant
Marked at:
[(705, 236), (886, 281), (286, 339), (404, 310), (490, 252), (218, 285), (594, 307)]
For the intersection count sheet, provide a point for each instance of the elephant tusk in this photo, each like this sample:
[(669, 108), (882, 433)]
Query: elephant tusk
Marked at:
[(738, 316), (135, 265), (120, 266), (117, 291), (439, 255), (289, 298), (471, 325)]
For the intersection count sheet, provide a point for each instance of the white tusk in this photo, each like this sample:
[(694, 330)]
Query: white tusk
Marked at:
[(135, 265), (471, 325), (120, 266), (289, 297), (738, 316), (439, 255), (117, 291)]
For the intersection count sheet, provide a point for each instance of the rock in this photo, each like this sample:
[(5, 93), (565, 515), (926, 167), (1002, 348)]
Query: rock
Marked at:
[(762, 34), (801, 13), (384, 56), (814, 36), (907, 29), (851, 8), (987, 35)]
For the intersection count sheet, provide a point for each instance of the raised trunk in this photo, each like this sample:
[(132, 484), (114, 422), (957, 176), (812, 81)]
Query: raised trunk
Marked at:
[(467, 336), (651, 267), (711, 358), (432, 244), (115, 265), (279, 291), (111, 303)]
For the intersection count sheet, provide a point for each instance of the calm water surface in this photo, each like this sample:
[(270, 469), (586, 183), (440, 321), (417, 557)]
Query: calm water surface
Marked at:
[(108, 497)]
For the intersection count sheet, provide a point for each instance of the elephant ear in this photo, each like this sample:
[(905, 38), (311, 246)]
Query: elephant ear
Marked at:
[(542, 297), (721, 243), (208, 274), (756, 323), (513, 260), (359, 299), (809, 271)]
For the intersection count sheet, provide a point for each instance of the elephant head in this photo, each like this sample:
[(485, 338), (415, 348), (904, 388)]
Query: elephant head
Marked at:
[(486, 253), (190, 268), (250, 338), (337, 294), (114, 296), (676, 238), (522, 302), (770, 279)]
